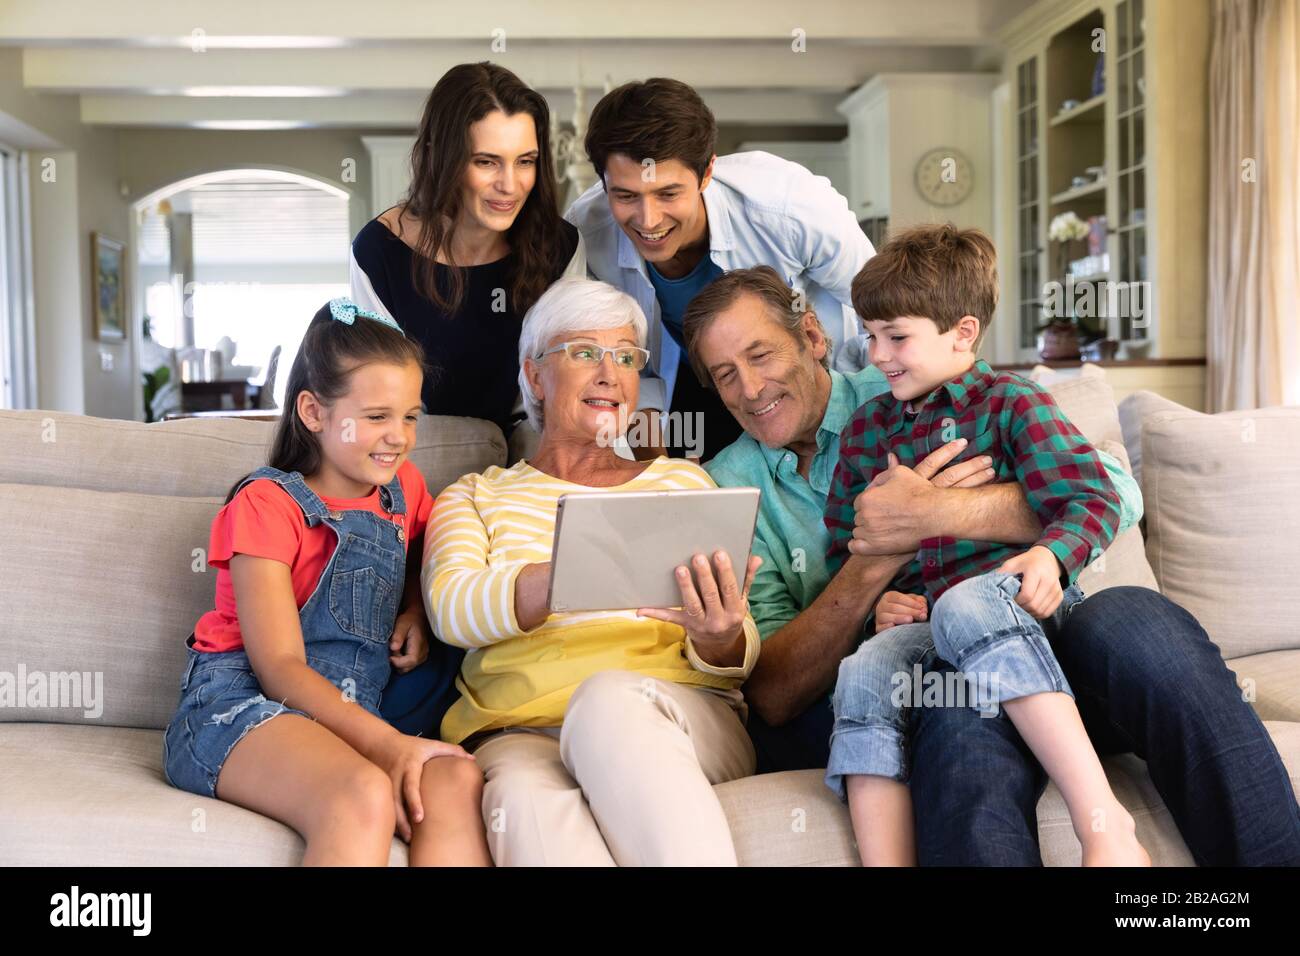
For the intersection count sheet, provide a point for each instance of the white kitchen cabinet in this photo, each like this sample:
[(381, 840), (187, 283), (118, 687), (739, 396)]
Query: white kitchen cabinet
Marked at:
[(390, 169), (825, 158), (867, 111)]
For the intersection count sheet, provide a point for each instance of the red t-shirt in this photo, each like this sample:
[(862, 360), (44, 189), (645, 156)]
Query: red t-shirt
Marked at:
[(263, 520)]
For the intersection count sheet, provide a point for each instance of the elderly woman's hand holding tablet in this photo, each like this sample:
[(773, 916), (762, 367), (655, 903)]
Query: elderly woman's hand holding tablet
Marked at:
[(714, 606), (600, 733)]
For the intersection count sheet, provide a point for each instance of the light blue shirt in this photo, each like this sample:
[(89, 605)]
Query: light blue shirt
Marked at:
[(762, 210), (674, 295), (790, 536)]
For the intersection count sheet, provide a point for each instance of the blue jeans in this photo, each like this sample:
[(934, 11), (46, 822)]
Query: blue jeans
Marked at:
[(1148, 680), (416, 702), (802, 743), (1000, 650)]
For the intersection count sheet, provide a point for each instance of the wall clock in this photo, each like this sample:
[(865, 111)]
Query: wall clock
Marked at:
[(944, 176)]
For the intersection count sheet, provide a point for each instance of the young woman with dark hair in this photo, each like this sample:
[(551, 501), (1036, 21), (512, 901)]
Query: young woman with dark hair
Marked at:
[(474, 244)]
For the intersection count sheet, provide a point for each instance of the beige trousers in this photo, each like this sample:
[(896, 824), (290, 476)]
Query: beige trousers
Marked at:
[(627, 780)]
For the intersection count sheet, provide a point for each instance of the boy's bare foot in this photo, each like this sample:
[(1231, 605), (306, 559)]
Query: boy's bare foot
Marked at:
[(1114, 842)]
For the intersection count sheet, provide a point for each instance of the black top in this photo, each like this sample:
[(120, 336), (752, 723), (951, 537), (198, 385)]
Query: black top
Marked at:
[(474, 351)]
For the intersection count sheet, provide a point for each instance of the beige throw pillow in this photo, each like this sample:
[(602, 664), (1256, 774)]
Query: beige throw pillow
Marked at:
[(1222, 497)]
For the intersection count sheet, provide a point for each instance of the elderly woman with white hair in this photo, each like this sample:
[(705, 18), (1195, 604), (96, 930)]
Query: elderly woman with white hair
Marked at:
[(600, 734)]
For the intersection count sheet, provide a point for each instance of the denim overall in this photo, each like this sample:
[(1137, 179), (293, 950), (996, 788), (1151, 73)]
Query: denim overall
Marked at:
[(346, 625)]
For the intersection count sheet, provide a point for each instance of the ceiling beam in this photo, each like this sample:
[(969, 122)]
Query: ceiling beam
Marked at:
[(417, 68), (342, 22), (402, 111)]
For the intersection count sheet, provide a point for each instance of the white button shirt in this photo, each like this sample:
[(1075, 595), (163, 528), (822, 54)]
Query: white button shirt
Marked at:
[(762, 210)]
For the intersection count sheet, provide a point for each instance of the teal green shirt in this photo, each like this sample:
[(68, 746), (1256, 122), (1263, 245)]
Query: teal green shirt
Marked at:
[(790, 536)]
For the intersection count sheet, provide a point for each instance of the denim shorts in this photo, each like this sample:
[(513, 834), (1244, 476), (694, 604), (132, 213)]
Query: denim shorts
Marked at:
[(221, 701), (346, 623)]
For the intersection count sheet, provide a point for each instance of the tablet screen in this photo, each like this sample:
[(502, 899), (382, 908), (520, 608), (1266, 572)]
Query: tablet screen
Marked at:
[(618, 550)]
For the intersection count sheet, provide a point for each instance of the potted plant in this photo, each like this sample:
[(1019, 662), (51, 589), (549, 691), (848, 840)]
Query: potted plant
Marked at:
[(1058, 338), (154, 382)]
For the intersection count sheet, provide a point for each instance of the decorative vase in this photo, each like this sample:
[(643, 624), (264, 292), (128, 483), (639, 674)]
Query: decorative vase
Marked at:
[(1098, 350), (1059, 341)]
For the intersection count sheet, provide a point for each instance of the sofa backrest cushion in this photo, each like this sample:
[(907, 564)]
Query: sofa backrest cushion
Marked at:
[(200, 457), (1133, 411), (102, 560), (100, 589), (1222, 497)]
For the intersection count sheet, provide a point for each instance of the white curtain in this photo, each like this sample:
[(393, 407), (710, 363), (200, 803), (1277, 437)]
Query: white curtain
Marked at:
[(1253, 313)]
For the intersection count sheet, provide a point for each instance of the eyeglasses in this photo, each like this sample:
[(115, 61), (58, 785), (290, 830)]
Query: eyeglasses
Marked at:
[(589, 353)]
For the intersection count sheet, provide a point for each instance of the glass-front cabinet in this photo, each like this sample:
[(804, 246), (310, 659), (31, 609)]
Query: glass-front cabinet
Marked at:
[(1028, 207), (1130, 229), (1080, 219)]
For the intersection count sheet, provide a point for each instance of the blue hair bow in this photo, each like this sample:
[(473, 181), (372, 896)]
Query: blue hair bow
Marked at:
[(345, 311)]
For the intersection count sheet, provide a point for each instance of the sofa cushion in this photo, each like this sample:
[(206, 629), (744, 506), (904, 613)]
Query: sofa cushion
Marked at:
[(1222, 499), (200, 457), (1133, 411), (524, 441), (102, 570), (105, 586), (792, 818), (1271, 682), (96, 796), (787, 819)]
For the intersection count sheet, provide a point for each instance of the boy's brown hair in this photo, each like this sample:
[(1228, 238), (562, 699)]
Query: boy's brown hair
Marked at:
[(657, 119), (938, 272)]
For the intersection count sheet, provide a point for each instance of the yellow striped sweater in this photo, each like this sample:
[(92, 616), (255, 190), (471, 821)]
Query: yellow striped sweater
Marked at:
[(485, 528)]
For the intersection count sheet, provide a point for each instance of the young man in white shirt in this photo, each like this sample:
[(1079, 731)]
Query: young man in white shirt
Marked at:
[(668, 216)]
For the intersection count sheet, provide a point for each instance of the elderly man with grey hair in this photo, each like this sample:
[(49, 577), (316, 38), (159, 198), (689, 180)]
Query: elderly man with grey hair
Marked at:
[(600, 734), (1146, 675)]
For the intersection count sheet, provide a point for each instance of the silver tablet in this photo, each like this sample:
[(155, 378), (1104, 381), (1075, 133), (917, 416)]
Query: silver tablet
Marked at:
[(617, 549)]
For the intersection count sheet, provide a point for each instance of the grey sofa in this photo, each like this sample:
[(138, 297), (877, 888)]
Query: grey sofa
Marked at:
[(102, 576)]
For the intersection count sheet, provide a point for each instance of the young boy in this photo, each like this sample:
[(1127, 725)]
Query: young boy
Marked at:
[(926, 300)]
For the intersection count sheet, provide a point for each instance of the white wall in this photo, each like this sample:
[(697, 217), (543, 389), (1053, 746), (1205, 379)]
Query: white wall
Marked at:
[(153, 158), (80, 199), (60, 340), (928, 110)]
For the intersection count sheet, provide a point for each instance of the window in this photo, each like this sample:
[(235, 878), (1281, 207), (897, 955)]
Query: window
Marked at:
[(17, 356)]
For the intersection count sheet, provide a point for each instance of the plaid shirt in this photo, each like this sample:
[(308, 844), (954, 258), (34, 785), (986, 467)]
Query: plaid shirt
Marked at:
[(1020, 427)]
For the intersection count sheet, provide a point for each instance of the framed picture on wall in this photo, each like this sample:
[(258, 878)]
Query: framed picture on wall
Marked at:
[(108, 282)]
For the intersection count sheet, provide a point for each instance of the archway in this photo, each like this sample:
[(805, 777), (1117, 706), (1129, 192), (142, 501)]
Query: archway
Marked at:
[(235, 261)]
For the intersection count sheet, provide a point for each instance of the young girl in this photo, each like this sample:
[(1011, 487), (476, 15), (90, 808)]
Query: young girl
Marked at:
[(279, 706)]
